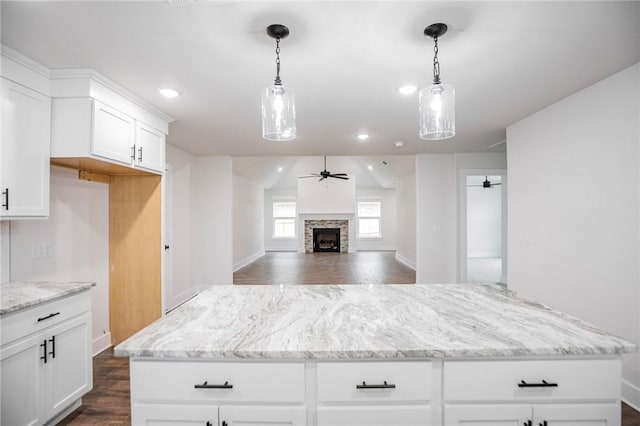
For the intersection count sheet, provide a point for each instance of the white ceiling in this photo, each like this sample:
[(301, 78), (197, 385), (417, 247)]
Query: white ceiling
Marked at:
[(345, 60), (385, 171)]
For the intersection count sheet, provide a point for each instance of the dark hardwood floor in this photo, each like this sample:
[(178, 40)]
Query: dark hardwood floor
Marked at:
[(363, 267), (108, 402)]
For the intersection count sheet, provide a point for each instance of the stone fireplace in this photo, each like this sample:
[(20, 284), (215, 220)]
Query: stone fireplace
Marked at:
[(323, 229)]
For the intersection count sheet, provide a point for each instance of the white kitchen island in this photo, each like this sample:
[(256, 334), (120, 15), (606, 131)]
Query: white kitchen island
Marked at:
[(392, 355)]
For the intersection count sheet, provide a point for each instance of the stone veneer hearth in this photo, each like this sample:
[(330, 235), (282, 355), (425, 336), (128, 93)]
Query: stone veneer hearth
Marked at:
[(308, 233)]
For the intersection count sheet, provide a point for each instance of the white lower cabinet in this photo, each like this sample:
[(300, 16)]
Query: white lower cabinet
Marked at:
[(174, 414), (45, 369), (398, 415), (577, 415), (533, 415), (236, 415), (23, 383)]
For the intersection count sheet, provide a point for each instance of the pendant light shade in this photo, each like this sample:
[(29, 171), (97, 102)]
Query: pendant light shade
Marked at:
[(437, 112), (278, 101), (437, 101), (278, 113)]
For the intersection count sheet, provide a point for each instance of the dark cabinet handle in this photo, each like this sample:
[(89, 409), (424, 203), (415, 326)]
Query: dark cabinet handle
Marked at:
[(140, 154), (6, 198), (48, 316), (386, 385), (133, 152), (205, 385), (53, 347), (544, 423), (167, 247), (527, 423), (544, 384), (224, 423), (209, 424), (44, 345)]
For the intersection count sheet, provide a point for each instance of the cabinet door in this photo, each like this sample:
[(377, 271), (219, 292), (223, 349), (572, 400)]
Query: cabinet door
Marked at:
[(69, 367), (398, 415), (174, 415), (577, 415), (262, 416), (149, 148), (24, 151), (487, 415), (23, 382), (113, 134)]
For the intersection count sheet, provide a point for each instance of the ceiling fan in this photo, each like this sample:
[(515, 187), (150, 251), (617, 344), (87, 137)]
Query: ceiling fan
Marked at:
[(326, 174), (486, 183)]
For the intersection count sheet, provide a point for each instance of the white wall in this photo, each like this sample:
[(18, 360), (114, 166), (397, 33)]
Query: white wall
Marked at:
[(211, 221), (248, 222), (277, 244), (484, 222), (77, 231), (387, 197), (179, 286), (330, 196), (406, 220), (438, 206), (574, 191)]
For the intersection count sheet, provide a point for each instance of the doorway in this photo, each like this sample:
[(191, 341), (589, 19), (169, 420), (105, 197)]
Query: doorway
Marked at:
[(483, 238)]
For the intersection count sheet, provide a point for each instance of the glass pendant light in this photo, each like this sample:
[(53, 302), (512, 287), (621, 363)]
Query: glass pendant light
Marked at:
[(278, 101), (437, 102)]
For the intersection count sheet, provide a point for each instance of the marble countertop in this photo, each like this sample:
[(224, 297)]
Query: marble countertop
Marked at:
[(362, 321), (17, 295)]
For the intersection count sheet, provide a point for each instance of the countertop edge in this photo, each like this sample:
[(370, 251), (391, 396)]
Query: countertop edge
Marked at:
[(82, 286)]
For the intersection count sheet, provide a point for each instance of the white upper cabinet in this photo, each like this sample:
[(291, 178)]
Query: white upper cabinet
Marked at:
[(149, 151), (91, 120), (24, 152), (113, 134)]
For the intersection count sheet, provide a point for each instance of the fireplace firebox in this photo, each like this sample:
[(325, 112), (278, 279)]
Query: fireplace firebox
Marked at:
[(326, 240)]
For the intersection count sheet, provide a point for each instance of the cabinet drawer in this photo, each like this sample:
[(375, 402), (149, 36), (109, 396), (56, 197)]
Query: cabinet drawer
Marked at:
[(177, 380), (405, 381), (22, 323), (500, 380), (398, 415)]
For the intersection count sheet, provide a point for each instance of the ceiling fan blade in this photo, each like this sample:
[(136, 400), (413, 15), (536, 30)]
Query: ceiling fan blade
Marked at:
[(475, 186), (321, 179), (339, 174), (496, 184), (303, 177), (339, 177)]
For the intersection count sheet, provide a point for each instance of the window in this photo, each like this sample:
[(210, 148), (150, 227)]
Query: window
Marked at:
[(369, 219), (284, 219)]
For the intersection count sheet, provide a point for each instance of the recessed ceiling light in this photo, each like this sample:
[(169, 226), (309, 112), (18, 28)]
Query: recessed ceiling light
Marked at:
[(362, 136), (280, 169), (370, 167), (398, 144), (169, 93), (407, 89)]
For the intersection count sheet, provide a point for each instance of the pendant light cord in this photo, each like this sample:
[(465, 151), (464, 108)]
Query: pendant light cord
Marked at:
[(278, 82), (436, 63)]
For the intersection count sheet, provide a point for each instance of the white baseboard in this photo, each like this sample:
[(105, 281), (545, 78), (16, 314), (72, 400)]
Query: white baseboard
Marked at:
[(374, 247), (631, 395), (101, 343), (64, 413), (410, 263), (244, 262)]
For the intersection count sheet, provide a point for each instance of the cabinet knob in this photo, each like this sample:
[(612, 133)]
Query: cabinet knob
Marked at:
[(167, 247)]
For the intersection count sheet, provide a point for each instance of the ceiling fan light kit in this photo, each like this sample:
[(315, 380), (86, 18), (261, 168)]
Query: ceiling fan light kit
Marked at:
[(437, 101), (278, 101)]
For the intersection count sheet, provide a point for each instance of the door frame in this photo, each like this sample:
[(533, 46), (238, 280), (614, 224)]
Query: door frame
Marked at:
[(462, 219)]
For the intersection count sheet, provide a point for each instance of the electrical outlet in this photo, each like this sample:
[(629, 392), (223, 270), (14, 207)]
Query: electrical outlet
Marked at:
[(46, 249)]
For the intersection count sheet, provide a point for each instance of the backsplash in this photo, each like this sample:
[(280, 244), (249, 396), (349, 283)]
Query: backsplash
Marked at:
[(5, 250)]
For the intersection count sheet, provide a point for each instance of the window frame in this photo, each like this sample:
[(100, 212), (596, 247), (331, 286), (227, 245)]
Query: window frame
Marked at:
[(358, 217), (294, 217)]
